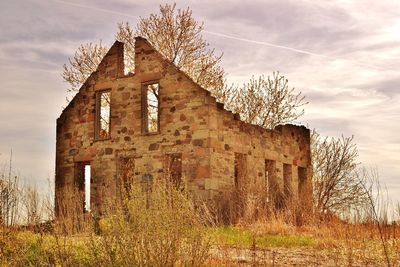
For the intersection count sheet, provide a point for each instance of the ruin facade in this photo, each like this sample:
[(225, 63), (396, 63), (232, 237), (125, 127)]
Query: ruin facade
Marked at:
[(158, 121)]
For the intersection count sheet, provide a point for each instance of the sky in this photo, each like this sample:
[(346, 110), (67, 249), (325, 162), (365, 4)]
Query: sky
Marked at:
[(343, 55)]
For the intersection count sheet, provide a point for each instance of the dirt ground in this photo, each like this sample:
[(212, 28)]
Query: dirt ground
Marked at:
[(232, 256)]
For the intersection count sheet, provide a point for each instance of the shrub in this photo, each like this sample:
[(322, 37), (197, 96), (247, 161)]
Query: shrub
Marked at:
[(156, 226)]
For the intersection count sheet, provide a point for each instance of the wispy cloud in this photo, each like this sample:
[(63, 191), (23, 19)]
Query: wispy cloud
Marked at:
[(108, 11)]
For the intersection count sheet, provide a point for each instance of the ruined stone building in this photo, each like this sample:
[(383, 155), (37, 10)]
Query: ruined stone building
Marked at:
[(158, 121)]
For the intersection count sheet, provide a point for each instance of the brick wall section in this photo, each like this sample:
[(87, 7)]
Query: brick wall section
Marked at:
[(191, 123), (286, 144)]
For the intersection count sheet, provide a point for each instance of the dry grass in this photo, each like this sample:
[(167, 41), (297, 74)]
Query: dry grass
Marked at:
[(265, 243), (161, 226), (337, 243)]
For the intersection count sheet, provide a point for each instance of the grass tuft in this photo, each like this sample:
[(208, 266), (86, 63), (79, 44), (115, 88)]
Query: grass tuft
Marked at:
[(229, 235)]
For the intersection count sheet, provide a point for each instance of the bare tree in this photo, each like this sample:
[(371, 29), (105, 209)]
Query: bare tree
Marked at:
[(21, 203), (177, 35), (173, 32), (335, 179), (267, 102), (84, 62), (376, 205), (32, 203), (9, 197)]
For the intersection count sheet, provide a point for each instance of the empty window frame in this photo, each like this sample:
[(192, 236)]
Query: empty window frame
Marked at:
[(83, 183), (240, 170), (150, 107), (103, 112), (287, 181), (126, 175), (174, 168), (302, 179), (271, 183)]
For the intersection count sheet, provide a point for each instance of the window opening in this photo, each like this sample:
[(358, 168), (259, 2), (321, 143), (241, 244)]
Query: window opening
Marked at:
[(150, 99), (174, 169), (103, 111)]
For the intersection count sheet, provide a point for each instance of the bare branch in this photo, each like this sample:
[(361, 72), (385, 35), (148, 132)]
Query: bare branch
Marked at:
[(177, 35), (335, 183), (268, 102), (85, 61), (173, 32)]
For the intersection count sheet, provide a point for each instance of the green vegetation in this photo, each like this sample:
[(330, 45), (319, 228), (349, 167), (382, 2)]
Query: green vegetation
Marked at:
[(25, 248), (229, 235)]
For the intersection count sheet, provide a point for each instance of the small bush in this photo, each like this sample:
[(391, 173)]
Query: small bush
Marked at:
[(158, 226)]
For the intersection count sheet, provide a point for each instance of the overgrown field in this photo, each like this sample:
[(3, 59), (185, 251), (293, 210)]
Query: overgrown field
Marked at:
[(252, 245), (164, 227)]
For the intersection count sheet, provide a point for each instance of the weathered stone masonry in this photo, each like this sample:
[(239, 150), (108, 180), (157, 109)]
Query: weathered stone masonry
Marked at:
[(197, 138)]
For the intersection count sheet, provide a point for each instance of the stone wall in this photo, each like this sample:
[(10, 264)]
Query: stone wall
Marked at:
[(192, 125)]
